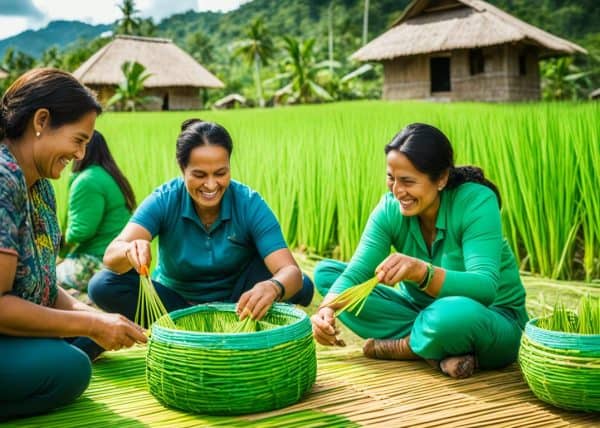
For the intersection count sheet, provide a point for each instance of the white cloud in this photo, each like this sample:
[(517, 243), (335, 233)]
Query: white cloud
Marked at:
[(19, 15)]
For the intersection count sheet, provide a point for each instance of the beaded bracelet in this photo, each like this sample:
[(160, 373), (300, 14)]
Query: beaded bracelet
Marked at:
[(281, 288), (428, 277)]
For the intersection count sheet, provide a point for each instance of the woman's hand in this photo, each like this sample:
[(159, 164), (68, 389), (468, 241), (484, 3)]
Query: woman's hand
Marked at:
[(323, 326), (138, 253), (114, 331), (256, 302), (399, 267)]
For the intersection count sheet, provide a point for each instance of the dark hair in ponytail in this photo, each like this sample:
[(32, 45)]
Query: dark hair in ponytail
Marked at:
[(97, 153), (430, 151), (195, 133)]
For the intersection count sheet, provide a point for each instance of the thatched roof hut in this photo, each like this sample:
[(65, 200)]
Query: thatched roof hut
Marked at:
[(3, 73), (462, 50), (175, 77), (230, 101)]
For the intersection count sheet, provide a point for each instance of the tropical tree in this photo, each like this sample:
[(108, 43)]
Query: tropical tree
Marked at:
[(51, 58), (15, 62), (301, 72), (129, 93), (129, 23), (563, 80), (199, 45), (257, 49)]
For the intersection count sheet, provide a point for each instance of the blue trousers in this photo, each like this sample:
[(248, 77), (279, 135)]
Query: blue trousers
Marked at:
[(119, 293), (39, 374), (447, 327)]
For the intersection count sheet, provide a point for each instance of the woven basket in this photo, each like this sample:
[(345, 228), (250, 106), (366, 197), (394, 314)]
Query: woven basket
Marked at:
[(562, 369), (232, 373)]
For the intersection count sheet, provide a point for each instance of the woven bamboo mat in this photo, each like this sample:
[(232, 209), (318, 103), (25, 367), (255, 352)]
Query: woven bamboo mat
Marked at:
[(350, 391)]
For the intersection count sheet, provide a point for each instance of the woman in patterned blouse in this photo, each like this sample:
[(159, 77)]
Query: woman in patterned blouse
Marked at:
[(46, 119)]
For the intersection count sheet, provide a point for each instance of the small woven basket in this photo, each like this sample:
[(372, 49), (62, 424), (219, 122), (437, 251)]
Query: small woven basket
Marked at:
[(562, 369), (231, 373)]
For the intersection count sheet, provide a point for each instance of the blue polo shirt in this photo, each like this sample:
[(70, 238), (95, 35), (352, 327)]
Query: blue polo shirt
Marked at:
[(203, 265)]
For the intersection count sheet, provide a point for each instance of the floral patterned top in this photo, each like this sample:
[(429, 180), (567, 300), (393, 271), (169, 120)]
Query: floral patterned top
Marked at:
[(29, 230)]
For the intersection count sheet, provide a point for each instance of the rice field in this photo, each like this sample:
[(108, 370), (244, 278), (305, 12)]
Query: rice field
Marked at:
[(322, 168)]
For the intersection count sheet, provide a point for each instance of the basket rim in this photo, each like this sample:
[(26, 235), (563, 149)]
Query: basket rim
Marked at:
[(532, 325), (296, 330)]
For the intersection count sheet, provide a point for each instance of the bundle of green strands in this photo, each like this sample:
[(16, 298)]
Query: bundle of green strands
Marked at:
[(212, 363), (563, 368)]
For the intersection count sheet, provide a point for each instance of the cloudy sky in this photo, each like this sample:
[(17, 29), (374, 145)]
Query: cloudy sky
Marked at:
[(20, 15)]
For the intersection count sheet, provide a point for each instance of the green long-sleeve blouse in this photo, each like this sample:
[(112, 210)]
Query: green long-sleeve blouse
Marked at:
[(468, 245)]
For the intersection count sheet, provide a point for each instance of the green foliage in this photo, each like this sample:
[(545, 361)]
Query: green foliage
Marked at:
[(128, 95), (257, 49), (129, 23), (301, 71), (16, 63), (199, 45), (540, 156)]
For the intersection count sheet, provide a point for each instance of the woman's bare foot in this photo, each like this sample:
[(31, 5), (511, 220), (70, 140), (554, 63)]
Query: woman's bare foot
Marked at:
[(389, 349), (459, 367)]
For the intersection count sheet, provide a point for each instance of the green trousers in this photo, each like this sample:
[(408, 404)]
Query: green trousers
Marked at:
[(448, 326), (38, 374)]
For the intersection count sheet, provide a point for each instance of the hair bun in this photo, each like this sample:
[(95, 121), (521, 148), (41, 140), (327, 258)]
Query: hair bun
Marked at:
[(187, 123)]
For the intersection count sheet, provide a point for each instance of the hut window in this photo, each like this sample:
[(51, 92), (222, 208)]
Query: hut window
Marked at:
[(476, 61), (522, 65), (440, 74)]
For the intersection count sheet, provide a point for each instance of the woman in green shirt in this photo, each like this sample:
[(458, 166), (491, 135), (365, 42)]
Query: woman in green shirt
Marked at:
[(101, 201), (460, 303)]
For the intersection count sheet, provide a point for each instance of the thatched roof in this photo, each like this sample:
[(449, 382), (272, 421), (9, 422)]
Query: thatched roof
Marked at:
[(230, 99), (3, 73), (428, 26), (168, 64)]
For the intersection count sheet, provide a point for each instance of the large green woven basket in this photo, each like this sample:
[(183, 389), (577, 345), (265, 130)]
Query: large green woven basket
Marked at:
[(562, 369), (231, 373)]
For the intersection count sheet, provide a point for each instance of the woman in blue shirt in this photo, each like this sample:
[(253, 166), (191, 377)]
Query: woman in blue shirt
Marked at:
[(218, 239)]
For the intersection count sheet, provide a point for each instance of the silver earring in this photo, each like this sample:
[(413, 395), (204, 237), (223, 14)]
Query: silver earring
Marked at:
[(37, 134)]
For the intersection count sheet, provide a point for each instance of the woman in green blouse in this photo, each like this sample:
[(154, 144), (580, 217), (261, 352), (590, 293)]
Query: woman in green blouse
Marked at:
[(101, 201), (460, 303)]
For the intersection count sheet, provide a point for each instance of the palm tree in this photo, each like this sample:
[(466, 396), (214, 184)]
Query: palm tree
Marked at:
[(200, 47), (257, 48), (301, 71), (129, 23), (129, 93)]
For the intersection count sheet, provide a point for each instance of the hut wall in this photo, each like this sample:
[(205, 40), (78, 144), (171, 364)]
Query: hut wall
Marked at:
[(406, 78), (502, 79), (491, 85), (179, 98), (523, 87), (185, 98)]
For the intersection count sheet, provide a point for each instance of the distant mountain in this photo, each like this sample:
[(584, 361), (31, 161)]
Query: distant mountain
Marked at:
[(59, 33)]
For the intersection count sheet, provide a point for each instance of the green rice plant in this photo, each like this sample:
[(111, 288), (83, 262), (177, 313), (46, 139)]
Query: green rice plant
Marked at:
[(585, 321), (149, 306), (589, 315), (354, 298), (322, 168)]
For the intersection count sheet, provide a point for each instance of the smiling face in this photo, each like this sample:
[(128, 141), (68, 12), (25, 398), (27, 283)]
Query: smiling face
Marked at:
[(417, 194), (56, 147), (207, 176)]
